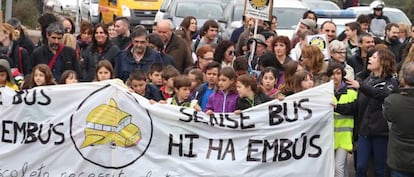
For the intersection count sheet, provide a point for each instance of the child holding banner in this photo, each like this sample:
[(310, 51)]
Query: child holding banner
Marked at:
[(224, 98), (250, 94), (6, 78), (42, 75), (104, 71)]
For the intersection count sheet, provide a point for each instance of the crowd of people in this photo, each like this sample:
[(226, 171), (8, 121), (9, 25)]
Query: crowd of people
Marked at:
[(194, 68)]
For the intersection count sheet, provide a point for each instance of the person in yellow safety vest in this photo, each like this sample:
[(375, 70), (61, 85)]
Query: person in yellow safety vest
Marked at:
[(343, 124)]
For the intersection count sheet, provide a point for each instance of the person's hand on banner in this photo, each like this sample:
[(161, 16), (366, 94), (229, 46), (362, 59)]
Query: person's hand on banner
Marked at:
[(237, 112)]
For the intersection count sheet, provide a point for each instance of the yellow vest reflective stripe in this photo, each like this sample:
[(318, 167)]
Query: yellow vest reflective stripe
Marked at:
[(344, 124)]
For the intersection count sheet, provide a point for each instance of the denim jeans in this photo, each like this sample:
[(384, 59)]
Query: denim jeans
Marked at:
[(395, 173), (372, 145)]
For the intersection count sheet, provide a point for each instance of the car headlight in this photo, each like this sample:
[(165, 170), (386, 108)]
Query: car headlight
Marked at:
[(126, 12)]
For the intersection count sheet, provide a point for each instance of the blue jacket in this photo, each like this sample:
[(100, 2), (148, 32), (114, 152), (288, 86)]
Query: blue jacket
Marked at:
[(126, 63)]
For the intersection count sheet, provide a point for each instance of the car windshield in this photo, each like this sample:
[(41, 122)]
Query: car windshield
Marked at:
[(396, 17), (288, 18), (95, 1), (205, 11), (321, 5)]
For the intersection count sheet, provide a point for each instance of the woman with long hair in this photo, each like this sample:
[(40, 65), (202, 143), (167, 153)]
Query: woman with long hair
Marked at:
[(313, 61), (371, 127), (101, 48)]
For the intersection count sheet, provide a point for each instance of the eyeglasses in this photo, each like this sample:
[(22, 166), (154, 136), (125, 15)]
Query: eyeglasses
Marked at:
[(231, 52), (340, 52), (139, 42), (208, 59)]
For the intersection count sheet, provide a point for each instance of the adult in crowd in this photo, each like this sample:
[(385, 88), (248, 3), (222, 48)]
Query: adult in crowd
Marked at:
[(58, 57), (112, 32), (328, 28), (45, 20), (378, 20), (18, 56), (398, 110), (138, 56), (155, 42), (174, 45), (224, 53), (352, 32), (187, 29), (101, 48), (209, 35), (359, 60), (392, 41), (313, 61), (296, 51), (122, 29), (363, 21), (85, 35), (248, 23), (404, 36), (370, 123), (68, 24), (304, 24), (23, 39), (205, 55), (337, 50), (281, 49)]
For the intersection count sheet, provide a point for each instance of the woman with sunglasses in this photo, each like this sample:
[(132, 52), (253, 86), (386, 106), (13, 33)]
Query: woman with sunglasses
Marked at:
[(224, 53)]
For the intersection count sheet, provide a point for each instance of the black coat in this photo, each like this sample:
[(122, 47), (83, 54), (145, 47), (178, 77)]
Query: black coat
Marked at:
[(66, 61), (91, 58), (20, 59), (244, 103), (367, 109)]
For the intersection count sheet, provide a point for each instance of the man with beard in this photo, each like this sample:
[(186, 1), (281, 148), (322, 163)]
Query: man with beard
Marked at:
[(58, 57), (358, 61), (137, 56), (391, 40)]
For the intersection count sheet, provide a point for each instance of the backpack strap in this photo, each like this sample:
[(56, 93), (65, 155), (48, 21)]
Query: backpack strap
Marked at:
[(20, 56), (52, 62)]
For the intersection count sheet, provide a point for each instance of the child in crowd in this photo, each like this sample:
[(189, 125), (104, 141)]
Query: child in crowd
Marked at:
[(41, 75), (196, 78), (205, 90), (6, 78), (302, 80), (168, 74), (138, 83), (241, 66), (154, 75), (104, 71), (250, 94), (343, 123), (182, 90), (225, 97), (69, 77), (268, 81)]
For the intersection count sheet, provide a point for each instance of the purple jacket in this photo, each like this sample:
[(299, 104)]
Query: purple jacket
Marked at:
[(218, 100)]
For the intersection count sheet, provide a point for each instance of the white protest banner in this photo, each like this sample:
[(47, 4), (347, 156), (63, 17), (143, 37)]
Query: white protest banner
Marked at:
[(102, 130), (321, 41), (258, 9)]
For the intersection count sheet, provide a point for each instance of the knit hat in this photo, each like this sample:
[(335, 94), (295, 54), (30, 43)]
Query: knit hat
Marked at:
[(260, 39), (309, 23), (6, 64)]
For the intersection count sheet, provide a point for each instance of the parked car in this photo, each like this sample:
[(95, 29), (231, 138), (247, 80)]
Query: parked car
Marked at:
[(288, 13), (395, 15), (321, 4), (89, 10), (176, 10), (62, 6), (339, 17)]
